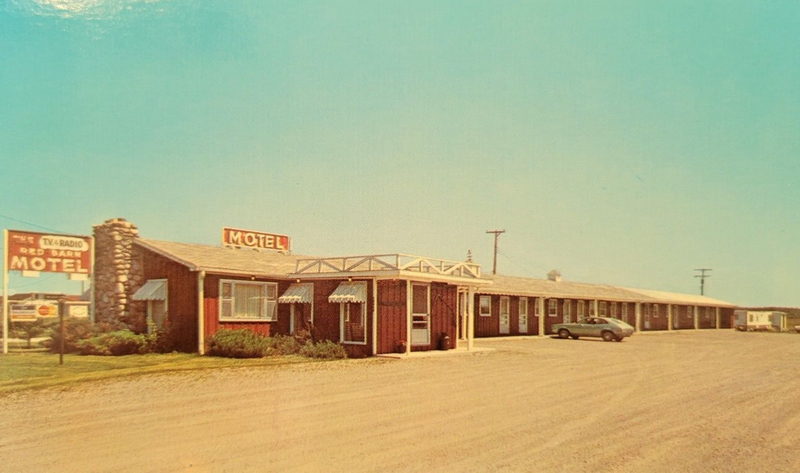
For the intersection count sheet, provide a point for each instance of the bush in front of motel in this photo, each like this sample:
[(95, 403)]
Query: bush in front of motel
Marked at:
[(325, 349), (243, 343), (75, 331), (116, 343)]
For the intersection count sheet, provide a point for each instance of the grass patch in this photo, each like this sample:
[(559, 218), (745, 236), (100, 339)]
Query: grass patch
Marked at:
[(34, 370)]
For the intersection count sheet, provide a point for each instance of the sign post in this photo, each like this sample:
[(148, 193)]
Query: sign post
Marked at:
[(5, 291)]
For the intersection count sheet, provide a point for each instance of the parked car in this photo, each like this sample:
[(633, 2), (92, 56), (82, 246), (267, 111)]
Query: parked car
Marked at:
[(608, 328)]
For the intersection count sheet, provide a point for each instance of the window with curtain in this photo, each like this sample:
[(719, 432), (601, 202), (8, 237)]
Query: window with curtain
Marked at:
[(248, 300)]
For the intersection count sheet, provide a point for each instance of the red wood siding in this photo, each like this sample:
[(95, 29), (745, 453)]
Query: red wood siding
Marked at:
[(726, 318), (443, 314), (181, 296), (487, 326), (392, 315), (708, 319), (211, 305), (327, 316), (550, 321)]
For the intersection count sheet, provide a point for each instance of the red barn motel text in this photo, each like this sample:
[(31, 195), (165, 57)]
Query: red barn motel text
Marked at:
[(29, 251)]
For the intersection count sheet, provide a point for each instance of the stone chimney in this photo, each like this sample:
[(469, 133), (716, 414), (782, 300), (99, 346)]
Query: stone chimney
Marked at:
[(117, 273), (554, 275)]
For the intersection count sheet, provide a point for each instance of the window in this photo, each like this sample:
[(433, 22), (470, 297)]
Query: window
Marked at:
[(592, 308), (353, 322), (420, 299), (567, 311), (624, 311), (603, 308), (248, 301), (581, 309), (552, 308), (614, 312), (708, 313), (486, 306), (523, 314), (655, 311)]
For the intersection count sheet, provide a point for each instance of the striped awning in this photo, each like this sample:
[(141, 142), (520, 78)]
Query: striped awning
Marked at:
[(153, 290), (349, 292), (298, 293)]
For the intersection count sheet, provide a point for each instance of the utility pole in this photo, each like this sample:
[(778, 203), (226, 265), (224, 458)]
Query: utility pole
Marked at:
[(702, 277), (496, 235)]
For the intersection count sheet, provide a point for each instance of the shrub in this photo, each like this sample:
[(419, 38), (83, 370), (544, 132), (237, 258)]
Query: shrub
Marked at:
[(30, 330), (160, 340), (325, 349), (240, 343), (120, 342), (75, 330), (281, 345)]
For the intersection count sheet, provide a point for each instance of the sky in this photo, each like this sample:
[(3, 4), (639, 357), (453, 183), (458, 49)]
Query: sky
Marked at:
[(620, 142)]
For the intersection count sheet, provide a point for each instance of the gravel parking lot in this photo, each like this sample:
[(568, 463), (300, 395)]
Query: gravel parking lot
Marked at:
[(703, 401)]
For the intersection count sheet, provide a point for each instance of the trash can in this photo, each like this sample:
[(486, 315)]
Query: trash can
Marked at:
[(444, 341)]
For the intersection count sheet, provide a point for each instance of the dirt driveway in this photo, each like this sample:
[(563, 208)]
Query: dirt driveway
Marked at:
[(691, 401)]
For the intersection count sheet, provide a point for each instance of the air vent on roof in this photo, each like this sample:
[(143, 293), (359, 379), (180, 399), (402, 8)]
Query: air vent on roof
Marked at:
[(554, 275)]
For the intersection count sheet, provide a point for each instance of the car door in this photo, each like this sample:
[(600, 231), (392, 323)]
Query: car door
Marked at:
[(582, 327)]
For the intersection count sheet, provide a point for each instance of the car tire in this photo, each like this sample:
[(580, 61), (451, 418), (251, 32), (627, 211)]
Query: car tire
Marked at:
[(574, 337), (563, 333), (609, 336)]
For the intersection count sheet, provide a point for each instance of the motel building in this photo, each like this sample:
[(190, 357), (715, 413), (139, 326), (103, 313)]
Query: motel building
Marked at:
[(371, 304)]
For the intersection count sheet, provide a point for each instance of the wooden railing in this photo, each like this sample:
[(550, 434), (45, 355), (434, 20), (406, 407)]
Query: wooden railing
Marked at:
[(387, 262)]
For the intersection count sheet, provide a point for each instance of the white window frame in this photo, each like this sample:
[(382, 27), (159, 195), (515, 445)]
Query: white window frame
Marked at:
[(614, 312), (567, 311), (265, 300), (552, 307), (655, 311), (523, 315), (480, 306), (344, 313), (581, 310), (602, 309)]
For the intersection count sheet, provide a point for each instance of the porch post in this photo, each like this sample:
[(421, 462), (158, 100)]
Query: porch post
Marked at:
[(470, 317), (596, 305), (697, 317), (201, 313), (670, 317), (638, 315), (374, 316), (716, 313), (542, 301), (408, 316)]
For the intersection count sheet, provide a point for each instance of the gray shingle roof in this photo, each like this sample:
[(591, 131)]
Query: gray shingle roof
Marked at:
[(514, 285), (277, 265), (224, 260)]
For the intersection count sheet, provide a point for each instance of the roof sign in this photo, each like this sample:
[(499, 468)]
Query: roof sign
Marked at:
[(252, 239)]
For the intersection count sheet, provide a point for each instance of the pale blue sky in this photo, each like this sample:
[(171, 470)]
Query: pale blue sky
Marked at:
[(621, 142)]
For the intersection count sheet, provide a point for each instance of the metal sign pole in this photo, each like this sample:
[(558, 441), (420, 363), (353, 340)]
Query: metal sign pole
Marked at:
[(61, 343), (5, 291)]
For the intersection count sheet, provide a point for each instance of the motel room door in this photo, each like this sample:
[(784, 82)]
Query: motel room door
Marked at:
[(505, 315), (420, 314)]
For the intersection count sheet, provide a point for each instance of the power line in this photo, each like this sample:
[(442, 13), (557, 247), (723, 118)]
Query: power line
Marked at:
[(32, 224)]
